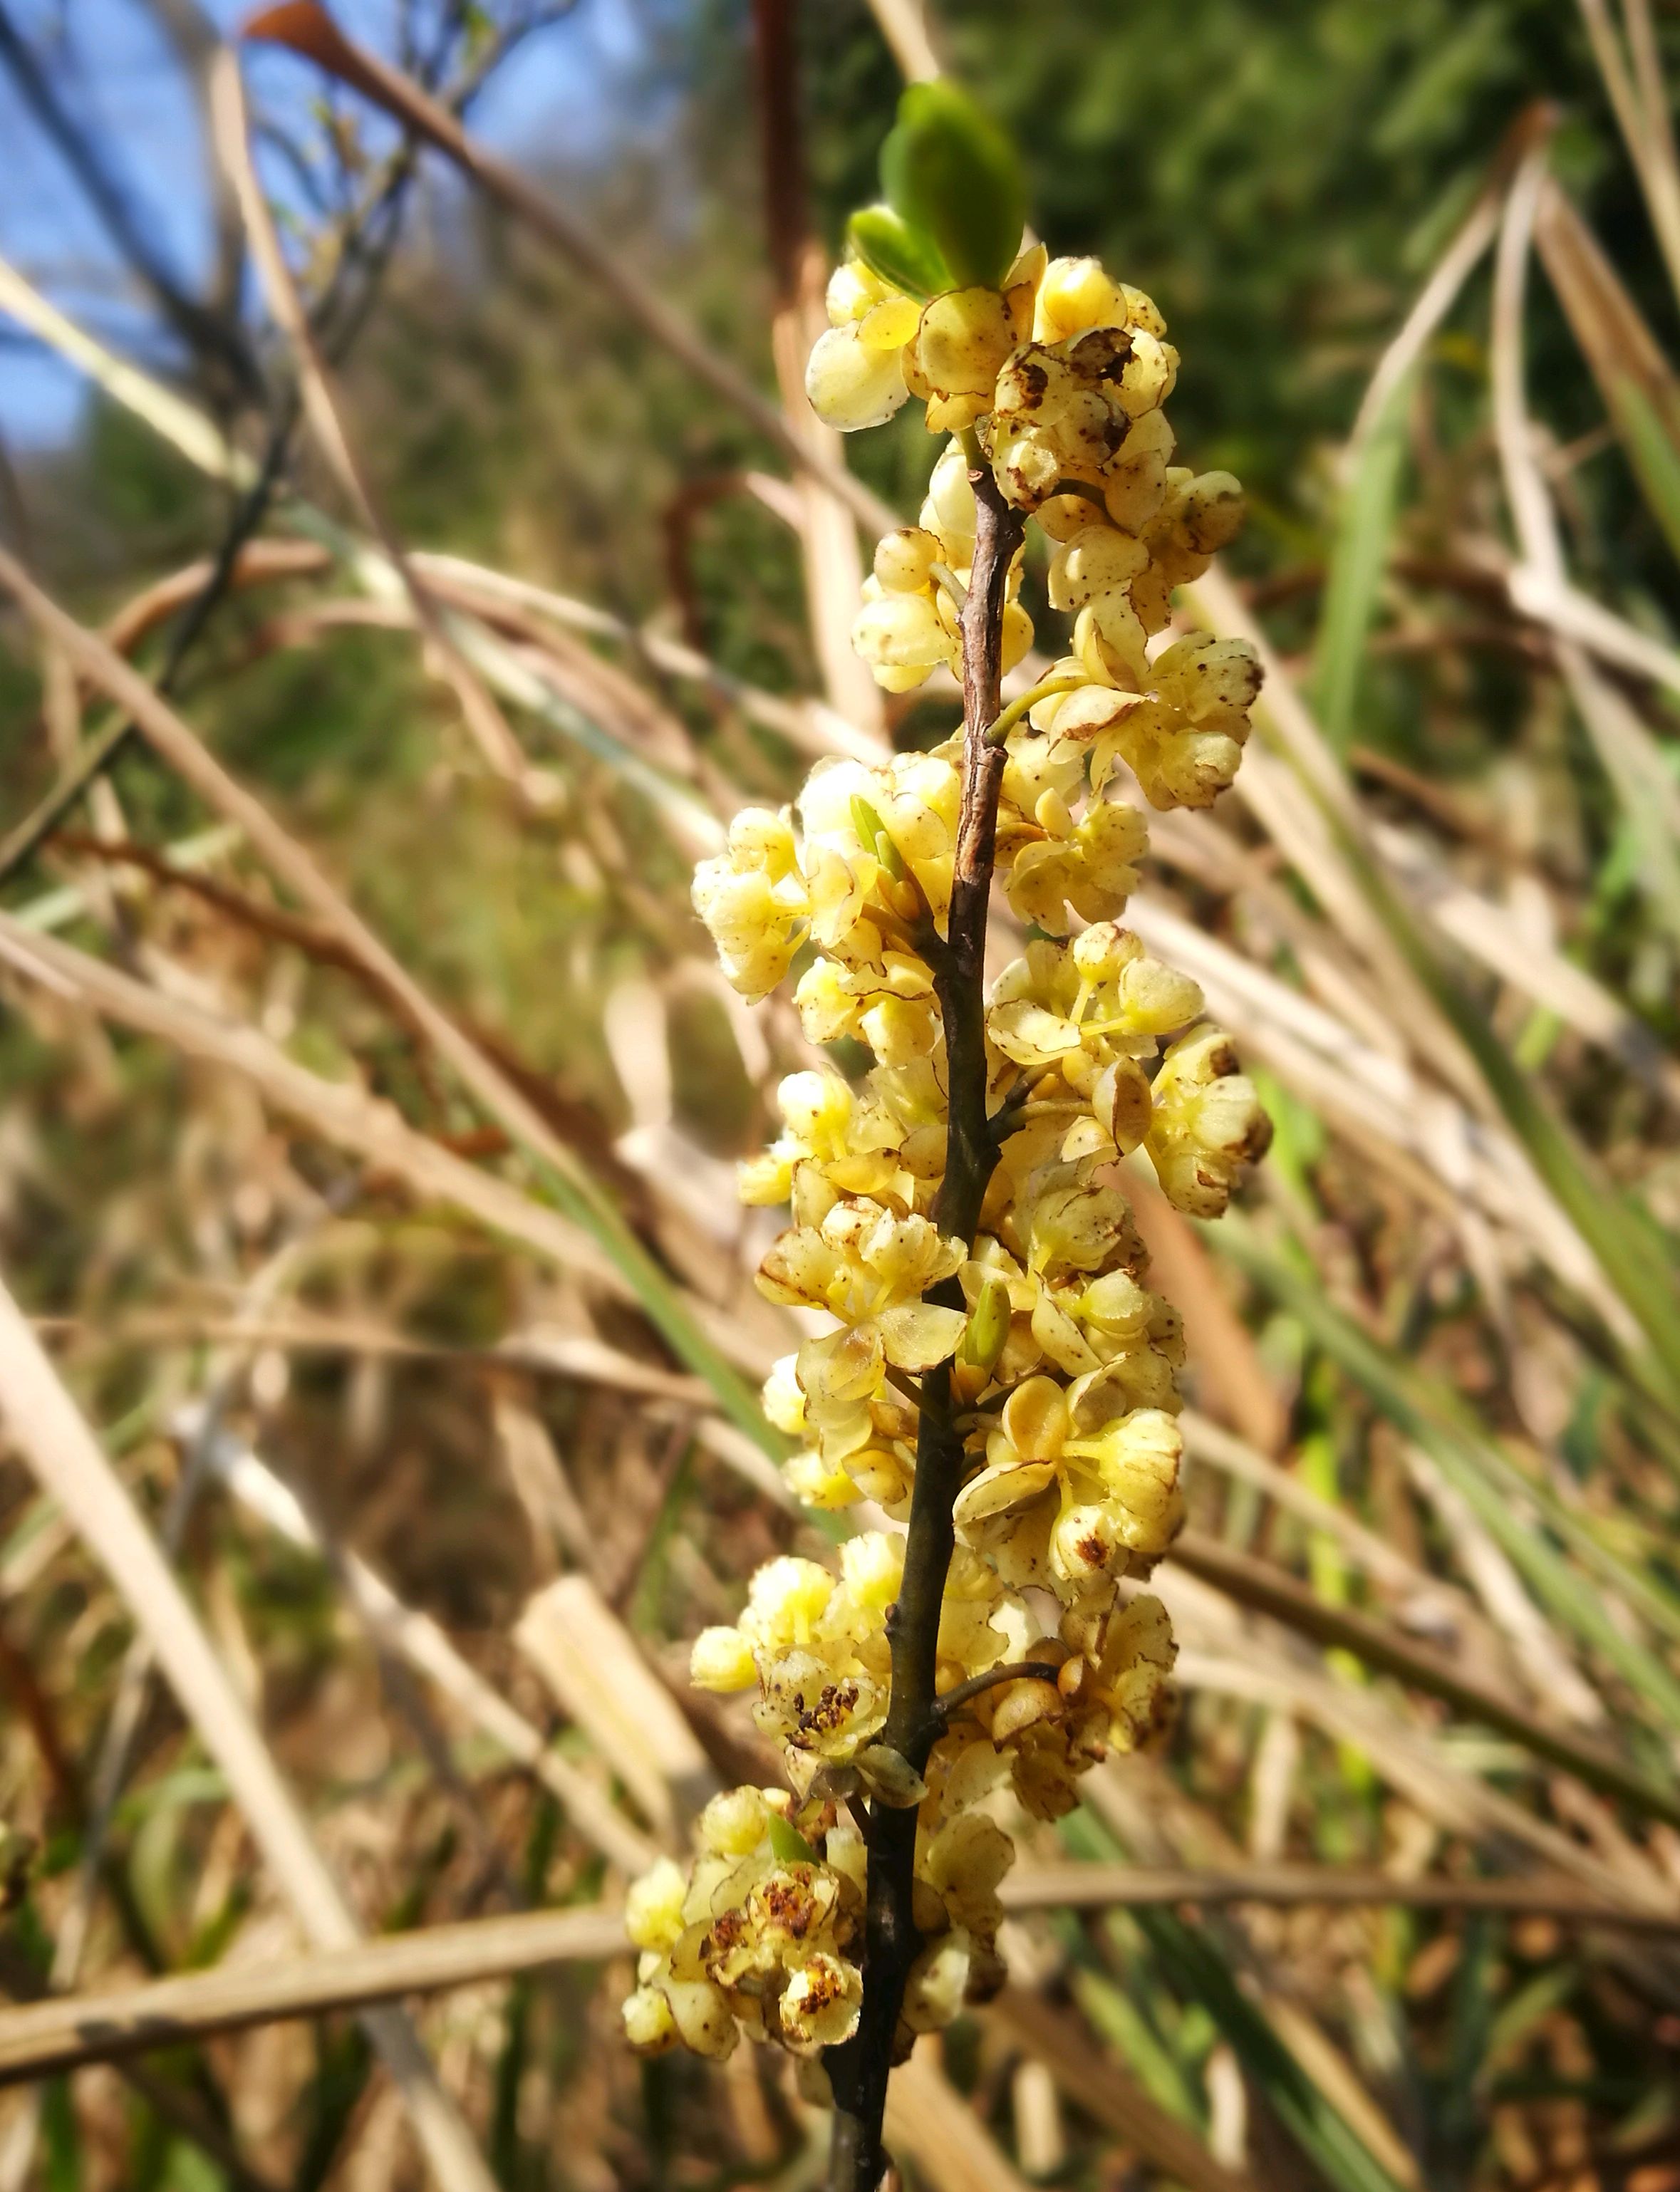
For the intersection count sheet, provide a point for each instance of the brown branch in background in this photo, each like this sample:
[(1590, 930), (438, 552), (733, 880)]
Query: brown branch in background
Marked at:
[(1137, 1887), (308, 29), (48, 2037), (56, 2036)]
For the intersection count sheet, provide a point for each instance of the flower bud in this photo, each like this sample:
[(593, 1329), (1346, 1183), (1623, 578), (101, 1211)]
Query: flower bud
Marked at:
[(904, 560), (653, 1906), (851, 386), (938, 1983), (722, 1659), (649, 2025), (734, 1822), (988, 1326)]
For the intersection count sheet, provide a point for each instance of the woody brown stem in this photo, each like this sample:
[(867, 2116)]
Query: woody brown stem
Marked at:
[(858, 2070)]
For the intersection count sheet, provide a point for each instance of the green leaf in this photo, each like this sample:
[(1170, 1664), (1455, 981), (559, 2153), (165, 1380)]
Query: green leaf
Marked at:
[(1650, 444), (787, 1845), (898, 253), (949, 171)]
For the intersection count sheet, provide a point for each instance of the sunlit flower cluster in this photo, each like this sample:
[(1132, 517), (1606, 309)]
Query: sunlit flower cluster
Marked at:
[(1056, 1360), (759, 1935)]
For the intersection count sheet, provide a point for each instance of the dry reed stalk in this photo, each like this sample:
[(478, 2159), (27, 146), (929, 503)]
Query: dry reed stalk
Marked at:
[(1088, 2076), (1131, 1887), (928, 2120), (904, 25), (175, 743), (53, 2036), (1265, 1589), (596, 1673)]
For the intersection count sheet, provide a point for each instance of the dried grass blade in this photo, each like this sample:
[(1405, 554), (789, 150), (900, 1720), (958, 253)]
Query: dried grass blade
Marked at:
[(1094, 1886), (196, 437), (53, 2036), (48, 1429), (559, 1170), (417, 1638), (1265, 1589), (1647, 793), (928, 2120), (1495, 1487), (1093, 2081), (592, 1664)]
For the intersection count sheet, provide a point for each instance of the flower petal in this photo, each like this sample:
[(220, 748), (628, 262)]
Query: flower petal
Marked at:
[(995, 1490), (918, 1334)]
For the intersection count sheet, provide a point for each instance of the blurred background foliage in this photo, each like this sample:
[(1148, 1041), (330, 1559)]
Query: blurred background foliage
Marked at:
[(1446, 1425)]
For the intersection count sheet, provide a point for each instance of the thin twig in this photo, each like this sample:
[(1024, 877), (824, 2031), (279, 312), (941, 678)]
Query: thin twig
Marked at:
[(323, 407), (97, 754), (308, 29), (1021, 1670)]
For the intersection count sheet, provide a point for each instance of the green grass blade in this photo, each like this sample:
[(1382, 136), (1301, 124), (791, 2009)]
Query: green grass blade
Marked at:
[(1488, 1481), (1357, 562), (1197, 1969), (1653, 454)]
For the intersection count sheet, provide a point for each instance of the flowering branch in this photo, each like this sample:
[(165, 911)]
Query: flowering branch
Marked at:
[(858, 2071), (1000, 1379)]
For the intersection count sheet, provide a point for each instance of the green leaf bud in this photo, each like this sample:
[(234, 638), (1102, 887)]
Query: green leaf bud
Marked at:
[(872, 832), (949, 171), (787, 1845), (906, 257)]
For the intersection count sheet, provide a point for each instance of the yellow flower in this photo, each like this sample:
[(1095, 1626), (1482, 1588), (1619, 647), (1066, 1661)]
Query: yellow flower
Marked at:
[(837, 1142), (909, 806), (908, 625), (1064, 411), (1090, 865), (1071, 1495), (870, 1268), (960, 348), (1077, 294), (821, 2003), (1077, 1007), (753, 899), (1208, 1124)]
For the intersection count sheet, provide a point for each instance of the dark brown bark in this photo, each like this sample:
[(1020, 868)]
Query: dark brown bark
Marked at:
[(858, 2071)]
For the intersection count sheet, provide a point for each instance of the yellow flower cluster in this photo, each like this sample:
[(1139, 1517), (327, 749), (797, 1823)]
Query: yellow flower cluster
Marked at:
[(757, 1937), (1060, 1359)]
